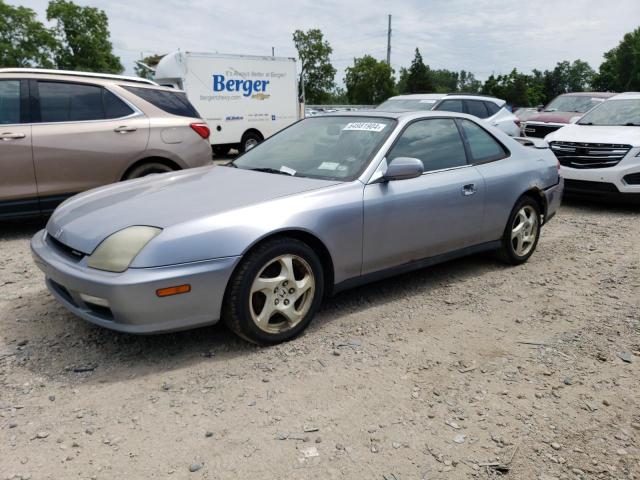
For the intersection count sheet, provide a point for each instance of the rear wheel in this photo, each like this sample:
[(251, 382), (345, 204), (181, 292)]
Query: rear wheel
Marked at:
[(275, 292), (521, 235), (221, 150), (147, 169), (249, 140)]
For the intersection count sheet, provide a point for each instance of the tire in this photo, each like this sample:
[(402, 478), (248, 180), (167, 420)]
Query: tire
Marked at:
[(522, 232), (147, 169), (220, 150), (249, 140), (262, 303)]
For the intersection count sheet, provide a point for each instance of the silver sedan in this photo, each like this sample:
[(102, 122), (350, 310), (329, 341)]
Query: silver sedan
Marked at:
[(329, 203)]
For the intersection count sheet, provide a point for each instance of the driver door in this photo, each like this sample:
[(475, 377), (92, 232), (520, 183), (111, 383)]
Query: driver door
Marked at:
[(438, 212)]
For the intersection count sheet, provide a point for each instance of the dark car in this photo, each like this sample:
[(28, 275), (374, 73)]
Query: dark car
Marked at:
[(560, 111)]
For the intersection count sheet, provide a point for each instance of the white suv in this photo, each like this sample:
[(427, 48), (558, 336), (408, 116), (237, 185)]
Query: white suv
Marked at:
[(490, 109), (600, 154)]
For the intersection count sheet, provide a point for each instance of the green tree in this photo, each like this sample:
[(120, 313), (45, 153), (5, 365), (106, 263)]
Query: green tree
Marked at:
[(316, 70), (620, 70), (83, 36), (444, 81), (369, 81), (24, 41), (152, 62), (467, 82), (418, 77)]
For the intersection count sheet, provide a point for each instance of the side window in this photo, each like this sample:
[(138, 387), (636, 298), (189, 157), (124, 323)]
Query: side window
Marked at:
[(68, 102), (436, 142), (492, 108), (450, 106), (175, 103), (113, 106), (9, 101), (477, 108), (484, 148)]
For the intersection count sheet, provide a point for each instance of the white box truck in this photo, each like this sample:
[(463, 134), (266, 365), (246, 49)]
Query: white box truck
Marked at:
[(243, 98)]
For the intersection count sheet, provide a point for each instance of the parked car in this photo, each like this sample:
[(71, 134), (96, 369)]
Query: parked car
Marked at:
[(330, 202), (560, 111), (410, 103), (65, 132), (600, 154), (490, 109)]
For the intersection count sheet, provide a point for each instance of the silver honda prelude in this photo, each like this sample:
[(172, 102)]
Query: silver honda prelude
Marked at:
[(329, 203)]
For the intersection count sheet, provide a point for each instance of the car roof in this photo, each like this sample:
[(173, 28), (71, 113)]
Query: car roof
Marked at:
[(399, 115), (473, 96), (419, 96), (65, 74), (626, 96), (588, 94)]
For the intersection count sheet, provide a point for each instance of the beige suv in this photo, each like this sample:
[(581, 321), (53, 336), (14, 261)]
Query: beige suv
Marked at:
[(65, 132)]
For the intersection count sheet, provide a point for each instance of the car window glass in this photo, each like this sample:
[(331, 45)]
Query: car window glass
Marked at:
[(69, 102), (477, 108), (175, 103), (492, 108), (436, 142), (450, 106), (482, 145), (113, 106), (9, 101)]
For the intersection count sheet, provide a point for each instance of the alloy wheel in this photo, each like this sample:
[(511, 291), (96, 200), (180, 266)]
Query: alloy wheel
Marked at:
[(524, 230), (281, 293)]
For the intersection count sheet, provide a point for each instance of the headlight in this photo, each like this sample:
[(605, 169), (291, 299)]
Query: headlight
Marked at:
[(117, 251)]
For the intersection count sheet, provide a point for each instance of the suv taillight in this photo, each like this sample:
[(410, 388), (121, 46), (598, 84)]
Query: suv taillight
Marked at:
[(201, 129)]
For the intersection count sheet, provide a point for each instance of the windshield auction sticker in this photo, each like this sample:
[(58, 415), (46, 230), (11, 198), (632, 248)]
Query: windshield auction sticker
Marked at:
[(365, 126)]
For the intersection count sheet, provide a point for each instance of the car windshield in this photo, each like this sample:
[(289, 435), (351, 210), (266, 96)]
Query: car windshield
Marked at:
[(327, 147), (614, 113), (408, 105), (569, 103)]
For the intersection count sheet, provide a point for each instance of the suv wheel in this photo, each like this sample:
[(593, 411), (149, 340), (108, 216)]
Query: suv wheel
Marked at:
[(147, 169)]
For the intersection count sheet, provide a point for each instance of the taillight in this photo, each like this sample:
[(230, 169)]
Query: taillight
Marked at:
[(517, 122), (201, 129), (558, 165)]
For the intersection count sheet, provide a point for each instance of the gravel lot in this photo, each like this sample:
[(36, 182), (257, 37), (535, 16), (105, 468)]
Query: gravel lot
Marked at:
[(465, 370)]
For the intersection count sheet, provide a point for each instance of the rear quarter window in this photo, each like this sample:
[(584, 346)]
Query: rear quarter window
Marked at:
[(492, 108), (175, 103), (484, 148), (477, 108)]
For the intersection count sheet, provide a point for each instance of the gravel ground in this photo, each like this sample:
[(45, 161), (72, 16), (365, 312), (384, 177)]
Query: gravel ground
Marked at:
[(470, 369)]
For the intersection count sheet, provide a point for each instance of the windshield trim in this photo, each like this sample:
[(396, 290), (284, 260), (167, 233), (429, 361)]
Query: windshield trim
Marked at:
[(393, 123)]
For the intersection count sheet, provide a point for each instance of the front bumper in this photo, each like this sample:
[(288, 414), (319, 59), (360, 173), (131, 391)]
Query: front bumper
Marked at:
[(132, 305), (617, 182), (553, 196)]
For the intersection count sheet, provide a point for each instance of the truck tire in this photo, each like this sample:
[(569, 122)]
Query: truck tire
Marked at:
[(249, 140)]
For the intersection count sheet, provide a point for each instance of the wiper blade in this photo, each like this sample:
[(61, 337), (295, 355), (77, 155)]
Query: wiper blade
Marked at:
[(231, 164), (270, 170), (631, 124), (585, 123)]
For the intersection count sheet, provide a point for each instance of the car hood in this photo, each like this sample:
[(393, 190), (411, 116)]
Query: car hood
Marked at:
[(554, 117), (595, 134), (164, 200)]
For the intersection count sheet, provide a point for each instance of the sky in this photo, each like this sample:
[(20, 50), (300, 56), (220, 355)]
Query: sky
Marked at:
[(481, 36)]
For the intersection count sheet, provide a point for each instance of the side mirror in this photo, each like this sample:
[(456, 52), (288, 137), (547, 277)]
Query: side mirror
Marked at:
[(403, 168), (540, 108)]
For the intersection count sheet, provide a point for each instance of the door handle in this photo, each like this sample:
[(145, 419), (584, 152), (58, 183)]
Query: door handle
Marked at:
[(469, 189), (11, 136), (124, 129)]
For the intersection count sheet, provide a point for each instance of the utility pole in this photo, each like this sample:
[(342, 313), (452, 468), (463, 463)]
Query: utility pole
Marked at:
[(389, 43), (273, 51)]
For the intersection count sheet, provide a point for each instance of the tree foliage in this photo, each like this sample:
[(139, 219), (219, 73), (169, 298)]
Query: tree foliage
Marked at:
[(152, 62), (24, 41), (620, 70), (83, 38), (417, 78), (316, 70), (369, 81)]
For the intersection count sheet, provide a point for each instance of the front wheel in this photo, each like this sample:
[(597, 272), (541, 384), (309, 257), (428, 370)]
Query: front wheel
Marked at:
[(275, 292), (522, 232)]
